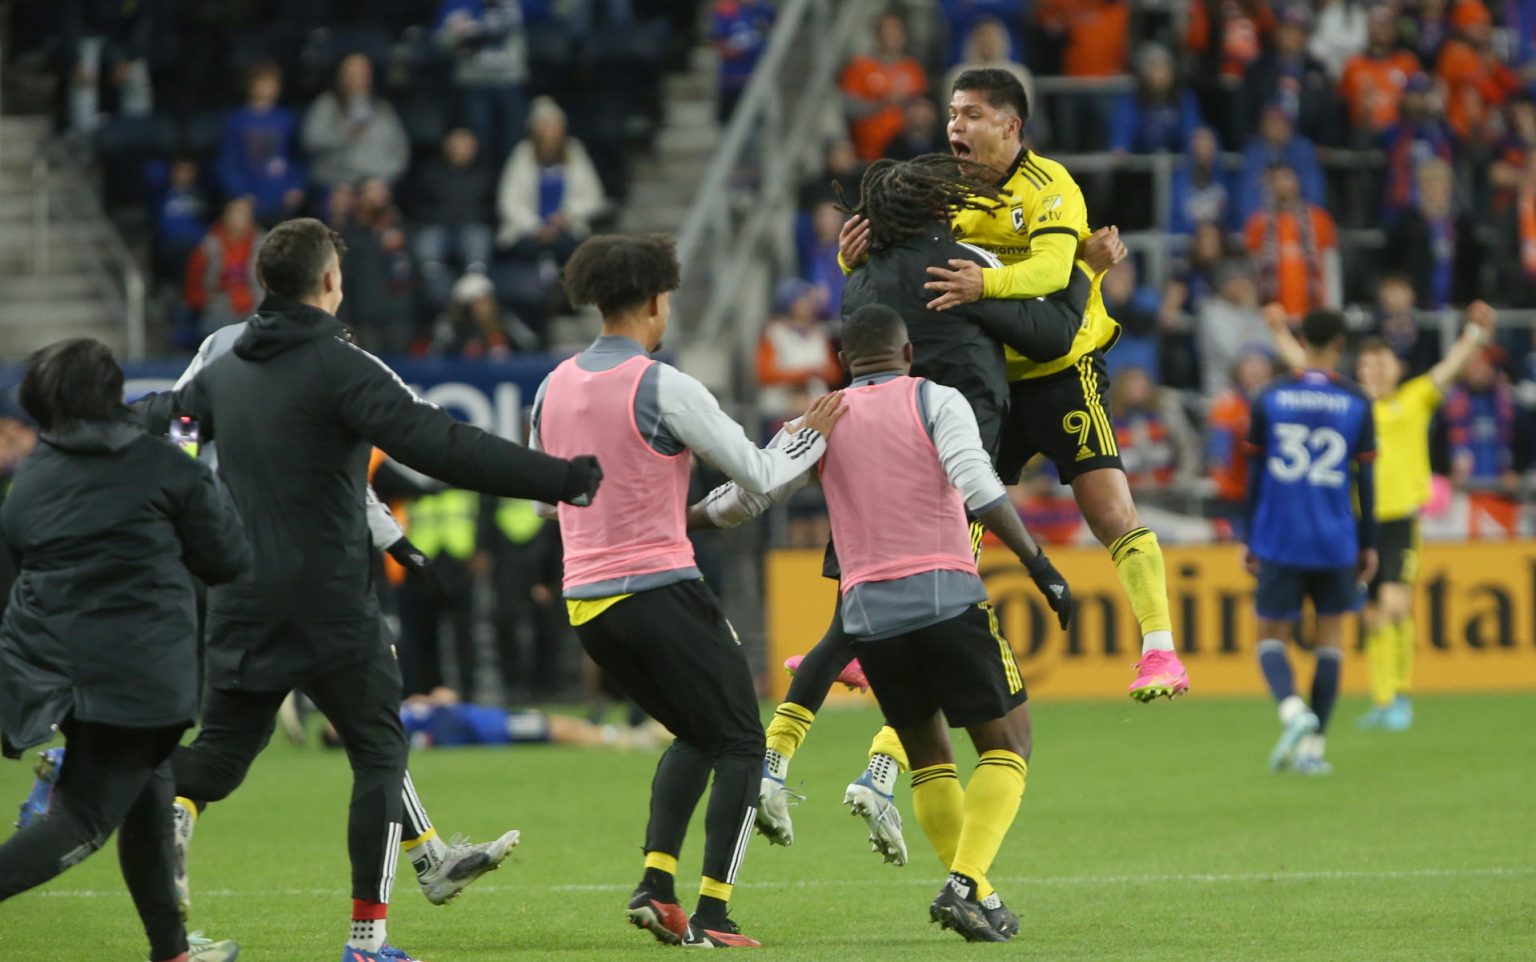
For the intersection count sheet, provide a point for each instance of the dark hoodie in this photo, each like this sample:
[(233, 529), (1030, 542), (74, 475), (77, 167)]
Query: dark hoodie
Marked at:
[(296, 409), (106, 522)]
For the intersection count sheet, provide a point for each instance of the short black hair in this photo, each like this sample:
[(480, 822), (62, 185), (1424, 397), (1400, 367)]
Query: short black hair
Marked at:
[(873, 329), (73, 380), (620, 272), (295, 255), (1321, 328), (999, 87)]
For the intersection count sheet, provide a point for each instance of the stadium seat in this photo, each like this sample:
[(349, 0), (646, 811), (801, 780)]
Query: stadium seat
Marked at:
[(202, 133), (123, 144)]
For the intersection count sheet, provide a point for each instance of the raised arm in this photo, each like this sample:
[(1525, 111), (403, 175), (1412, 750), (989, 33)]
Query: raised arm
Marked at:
[(1480, 321), (1287, 348)]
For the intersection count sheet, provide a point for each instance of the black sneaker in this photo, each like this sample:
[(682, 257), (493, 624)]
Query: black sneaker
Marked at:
[(722, 935), (957, 908), (665, 920), (1003, 921)]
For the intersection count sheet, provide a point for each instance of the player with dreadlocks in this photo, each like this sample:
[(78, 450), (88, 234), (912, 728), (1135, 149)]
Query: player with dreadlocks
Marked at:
[(909, 206)]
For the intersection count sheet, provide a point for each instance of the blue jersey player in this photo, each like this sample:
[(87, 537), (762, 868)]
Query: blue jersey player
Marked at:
[(1311, 528)]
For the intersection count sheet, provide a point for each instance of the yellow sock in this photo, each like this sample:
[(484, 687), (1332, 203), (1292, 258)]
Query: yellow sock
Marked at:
[(886, 742), (662, 862), (939, 804), (189, 805), (991, 802), (716, 890), (1405, 642), (1381, 655), (1139, 563), (788, 729)]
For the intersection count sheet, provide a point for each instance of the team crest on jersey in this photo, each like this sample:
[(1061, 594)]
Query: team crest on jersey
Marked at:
[(1018, 218)]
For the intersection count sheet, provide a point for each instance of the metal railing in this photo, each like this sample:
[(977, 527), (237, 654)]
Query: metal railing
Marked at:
[(116, 275)]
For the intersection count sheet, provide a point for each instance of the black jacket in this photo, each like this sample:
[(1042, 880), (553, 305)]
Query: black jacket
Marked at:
[(962, 347), (296, 409), (106, 522)]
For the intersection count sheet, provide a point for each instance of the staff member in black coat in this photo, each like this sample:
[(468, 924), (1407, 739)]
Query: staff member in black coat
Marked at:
[(295, 408), (100, 633)]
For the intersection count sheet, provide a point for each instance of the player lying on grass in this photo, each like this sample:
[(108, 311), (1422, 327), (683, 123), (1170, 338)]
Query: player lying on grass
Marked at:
[(1403, 411), (905, 467), (909, 208), (440, 720), (1311, 529)]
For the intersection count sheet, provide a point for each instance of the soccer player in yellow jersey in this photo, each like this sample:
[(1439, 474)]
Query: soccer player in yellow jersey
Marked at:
[(1058, 404), (1403, 410)]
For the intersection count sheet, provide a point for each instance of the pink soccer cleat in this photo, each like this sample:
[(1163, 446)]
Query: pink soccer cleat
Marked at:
[(852, 675), (1159, 673)]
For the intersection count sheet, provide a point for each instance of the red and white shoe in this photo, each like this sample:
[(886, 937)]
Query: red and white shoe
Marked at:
[(852, 674), (1159, 673), (665, 920), (727, 936)]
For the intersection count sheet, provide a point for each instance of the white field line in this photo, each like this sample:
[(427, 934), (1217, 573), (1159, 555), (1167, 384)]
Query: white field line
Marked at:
[(1247, 878)]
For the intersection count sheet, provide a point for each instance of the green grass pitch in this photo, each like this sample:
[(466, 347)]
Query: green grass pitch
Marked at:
[(1147, 832)]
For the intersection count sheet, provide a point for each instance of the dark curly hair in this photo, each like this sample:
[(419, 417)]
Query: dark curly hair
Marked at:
[(620, 272), (902, 199)]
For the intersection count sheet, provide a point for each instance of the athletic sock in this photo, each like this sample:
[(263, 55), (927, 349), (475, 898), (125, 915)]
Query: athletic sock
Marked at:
[(1404, 646), (1276, 666), (426, 853), (368, 925), (887, 742), (1311, 746), (660, 876), (1139, 563), (939, 805), (1325, 685), (1381, 653), (776, 765), (193, 808), (991, 802), (714, 901), (791, 723), (883, 770), (1291, 708)]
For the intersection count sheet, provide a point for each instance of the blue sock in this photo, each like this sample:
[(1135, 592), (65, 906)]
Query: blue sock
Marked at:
[(1277, 668), (1325, 685)]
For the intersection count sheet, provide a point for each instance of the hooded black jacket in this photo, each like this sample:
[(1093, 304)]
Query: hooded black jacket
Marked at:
[(106, 522), (296, 408)]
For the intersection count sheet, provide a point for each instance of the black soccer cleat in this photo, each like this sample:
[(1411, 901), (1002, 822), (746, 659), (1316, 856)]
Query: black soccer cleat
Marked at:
[(1003, 921), (721, 935), (963, 913)]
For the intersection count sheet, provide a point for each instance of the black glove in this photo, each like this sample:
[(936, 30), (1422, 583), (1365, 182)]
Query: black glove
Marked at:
[(1051, 584), (581, 484), (418, 565)]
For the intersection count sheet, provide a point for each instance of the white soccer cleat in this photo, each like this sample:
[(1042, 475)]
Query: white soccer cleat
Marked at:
[(183, 821), (200, 949), (773, 801), (884, 819), (465, 862), (1284, 752)]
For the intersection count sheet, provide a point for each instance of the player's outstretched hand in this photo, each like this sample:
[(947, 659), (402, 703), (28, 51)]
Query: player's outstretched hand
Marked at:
[(1058, 594), (581, 484), (1102, 250), (1275, 319), (1480, 315), (960, 284), (853, 241), (1365, 566), (824, 413)]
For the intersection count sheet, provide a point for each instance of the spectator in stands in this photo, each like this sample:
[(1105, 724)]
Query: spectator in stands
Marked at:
[(1226, 438), (1433, 244), (1229, 325), (795, 357), (471, 327), (257, 157), (1201, 190), (1509, 157), (1091, 35), (1184, 296), (351, 133), (1375, 79), (1427, 29), (221, 273), (1340, 33), (110, 39), (380, 306), (1296, 247), (1475, 81), (1397, 324), (739, 30), (818, 263), (1135, 306), (1514, 248), (181, 219), (1278, 143), (841, 169), (966, 18), (549, 191), (877, 87), (341, 207), (490, 49), (1225, 37), (1157, 443), (1480, 422), (1159, 115), (1420, 134), (990, 46), (451, 201), (921, 132), (1287, 75)]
